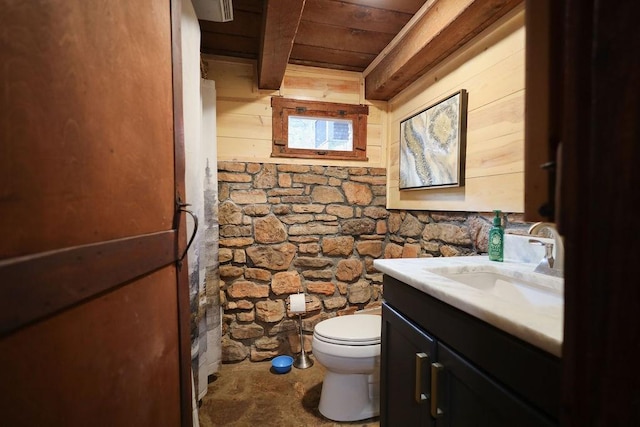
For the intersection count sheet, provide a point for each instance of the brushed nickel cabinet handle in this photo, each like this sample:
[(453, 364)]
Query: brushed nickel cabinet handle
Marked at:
[(435, 369), (421, 359)]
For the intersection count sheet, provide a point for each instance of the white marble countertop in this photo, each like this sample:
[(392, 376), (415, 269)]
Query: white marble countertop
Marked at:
[(539, 323)]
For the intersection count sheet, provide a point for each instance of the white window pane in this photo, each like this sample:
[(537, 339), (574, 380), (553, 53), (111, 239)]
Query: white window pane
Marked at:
[(312, 133)]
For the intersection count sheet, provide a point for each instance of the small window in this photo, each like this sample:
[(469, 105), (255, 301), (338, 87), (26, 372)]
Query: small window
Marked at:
[(310, 133), (313, 130)]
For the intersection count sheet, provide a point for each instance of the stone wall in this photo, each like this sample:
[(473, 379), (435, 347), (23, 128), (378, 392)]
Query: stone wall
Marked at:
[(316, 229)]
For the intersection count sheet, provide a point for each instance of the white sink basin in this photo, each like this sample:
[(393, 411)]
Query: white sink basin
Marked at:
[(509, 295), (515, 290)]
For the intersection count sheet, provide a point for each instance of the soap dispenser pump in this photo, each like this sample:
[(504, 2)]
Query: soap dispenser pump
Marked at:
[(496, 238)]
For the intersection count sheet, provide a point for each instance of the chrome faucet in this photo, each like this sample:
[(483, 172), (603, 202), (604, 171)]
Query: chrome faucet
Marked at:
[(549, 264), (548, 260)]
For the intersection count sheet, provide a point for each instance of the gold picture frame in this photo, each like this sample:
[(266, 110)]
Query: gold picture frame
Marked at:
[(433, 145)]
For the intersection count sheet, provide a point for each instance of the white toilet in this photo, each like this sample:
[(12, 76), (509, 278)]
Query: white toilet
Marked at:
[(349, 349)]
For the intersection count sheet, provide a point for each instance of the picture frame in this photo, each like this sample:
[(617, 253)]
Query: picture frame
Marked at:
[(433, 145)]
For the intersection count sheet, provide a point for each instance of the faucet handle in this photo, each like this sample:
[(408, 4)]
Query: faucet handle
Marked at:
[(543, 229)]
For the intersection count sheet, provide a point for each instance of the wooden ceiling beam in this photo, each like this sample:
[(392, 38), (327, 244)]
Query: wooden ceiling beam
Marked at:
[(445, 25), (279, 27)]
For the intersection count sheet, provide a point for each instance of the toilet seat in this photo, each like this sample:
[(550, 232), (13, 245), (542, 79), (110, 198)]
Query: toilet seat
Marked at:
[(354, 330)]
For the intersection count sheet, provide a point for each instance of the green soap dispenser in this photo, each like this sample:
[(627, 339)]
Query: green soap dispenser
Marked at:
[(496, 238)]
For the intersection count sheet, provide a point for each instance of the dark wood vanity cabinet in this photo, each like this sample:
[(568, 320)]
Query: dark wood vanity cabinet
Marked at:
[(442, 367)]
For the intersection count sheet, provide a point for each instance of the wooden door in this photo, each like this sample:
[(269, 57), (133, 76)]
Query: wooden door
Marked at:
[(600, 192), (93, 308)]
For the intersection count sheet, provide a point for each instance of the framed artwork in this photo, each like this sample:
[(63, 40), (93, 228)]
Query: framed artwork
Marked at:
[(432, 145)]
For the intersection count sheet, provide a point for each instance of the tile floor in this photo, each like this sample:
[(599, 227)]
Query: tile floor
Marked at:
[(249, 394)]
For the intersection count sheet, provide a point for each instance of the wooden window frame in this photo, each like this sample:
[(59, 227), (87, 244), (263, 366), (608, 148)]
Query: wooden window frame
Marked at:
[(284, 107)]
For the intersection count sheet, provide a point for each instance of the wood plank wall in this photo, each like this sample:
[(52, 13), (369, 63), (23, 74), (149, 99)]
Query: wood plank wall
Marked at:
[(244, 112), (491, 69)]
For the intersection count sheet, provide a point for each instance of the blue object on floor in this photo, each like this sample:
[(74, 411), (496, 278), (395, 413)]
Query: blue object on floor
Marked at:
[(282, 364)]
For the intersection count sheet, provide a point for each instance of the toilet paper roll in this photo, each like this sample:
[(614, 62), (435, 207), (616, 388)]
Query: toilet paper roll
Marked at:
[(297, 303)]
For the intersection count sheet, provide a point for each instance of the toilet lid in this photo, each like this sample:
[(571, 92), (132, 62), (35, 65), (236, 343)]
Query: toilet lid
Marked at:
[(356, 329)]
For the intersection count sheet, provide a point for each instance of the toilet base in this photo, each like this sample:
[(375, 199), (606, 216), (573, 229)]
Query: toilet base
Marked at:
[(349, 397)]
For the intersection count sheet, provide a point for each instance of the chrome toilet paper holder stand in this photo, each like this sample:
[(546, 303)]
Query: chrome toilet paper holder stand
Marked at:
[(302, 360)]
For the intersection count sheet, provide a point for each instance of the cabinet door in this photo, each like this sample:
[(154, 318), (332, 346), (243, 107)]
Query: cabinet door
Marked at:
[(467, 397), (406, 356)]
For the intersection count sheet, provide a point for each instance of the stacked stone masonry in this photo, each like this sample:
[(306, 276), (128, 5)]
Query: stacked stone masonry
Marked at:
[(315, 229)]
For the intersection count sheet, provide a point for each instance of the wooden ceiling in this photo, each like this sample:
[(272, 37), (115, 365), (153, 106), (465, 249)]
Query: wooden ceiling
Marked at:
[(350, 35)]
